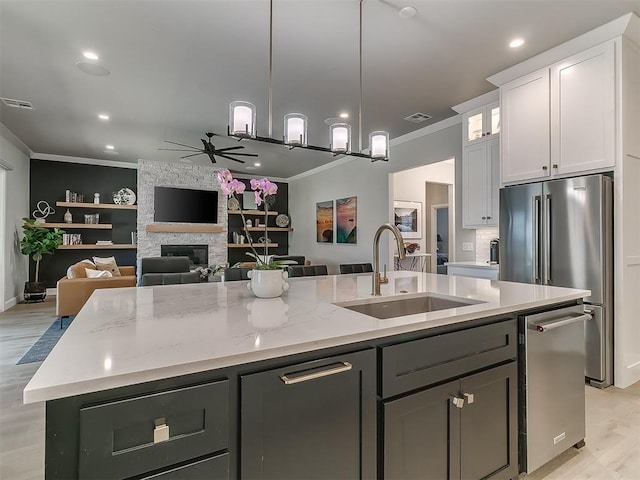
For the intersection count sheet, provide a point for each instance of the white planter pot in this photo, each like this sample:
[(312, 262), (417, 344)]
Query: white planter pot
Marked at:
[(268, 283)]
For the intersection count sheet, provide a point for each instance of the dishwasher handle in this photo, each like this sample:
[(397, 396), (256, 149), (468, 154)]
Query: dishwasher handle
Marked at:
[(543, 327)]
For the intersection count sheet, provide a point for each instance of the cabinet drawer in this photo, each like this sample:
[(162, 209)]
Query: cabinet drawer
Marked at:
[(215, 468), (419, 363), (117, 438)]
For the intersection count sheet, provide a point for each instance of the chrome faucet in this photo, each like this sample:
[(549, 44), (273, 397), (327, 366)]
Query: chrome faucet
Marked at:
[(377, 279)]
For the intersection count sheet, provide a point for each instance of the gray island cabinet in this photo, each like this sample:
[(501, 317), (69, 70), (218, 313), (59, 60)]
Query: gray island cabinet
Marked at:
[(310, 391)]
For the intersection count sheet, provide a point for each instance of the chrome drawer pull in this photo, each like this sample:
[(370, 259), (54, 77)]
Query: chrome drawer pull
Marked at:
[(342, 367), (161, 431), (469, 398), (458, 402), (543, 327)]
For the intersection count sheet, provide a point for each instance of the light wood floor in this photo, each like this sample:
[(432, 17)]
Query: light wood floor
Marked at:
[(613, 415)]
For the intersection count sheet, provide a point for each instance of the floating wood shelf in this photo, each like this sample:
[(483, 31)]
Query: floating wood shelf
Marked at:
[(112, 206), (88, 246), (251, 212), (174, 228), (255, 245), (99, 226), (269, 229)]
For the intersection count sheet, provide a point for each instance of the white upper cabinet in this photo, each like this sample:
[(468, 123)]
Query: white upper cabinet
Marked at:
[(525, 143), (481, 184), (560, 120), (480, 124), (583, 111)]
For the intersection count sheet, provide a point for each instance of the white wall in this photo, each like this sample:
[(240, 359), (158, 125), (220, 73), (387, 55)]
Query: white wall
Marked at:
[(371, 184), (14, 205)]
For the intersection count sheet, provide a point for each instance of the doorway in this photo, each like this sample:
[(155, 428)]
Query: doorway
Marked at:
[(3, 233), (428, 186)]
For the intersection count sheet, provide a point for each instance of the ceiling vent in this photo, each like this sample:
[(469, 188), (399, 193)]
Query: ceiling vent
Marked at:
[(418, 117), (10, 102)]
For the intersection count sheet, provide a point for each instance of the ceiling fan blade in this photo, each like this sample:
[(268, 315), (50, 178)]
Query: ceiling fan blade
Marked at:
[(229, 148), (193, 155), (181, 144), (241, 154), (230, 158)]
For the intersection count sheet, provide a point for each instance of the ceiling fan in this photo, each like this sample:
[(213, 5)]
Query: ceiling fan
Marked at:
[(211, 150)]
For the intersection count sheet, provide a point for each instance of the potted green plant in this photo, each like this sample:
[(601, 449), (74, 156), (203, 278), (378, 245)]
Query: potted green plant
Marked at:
[(37, 242)]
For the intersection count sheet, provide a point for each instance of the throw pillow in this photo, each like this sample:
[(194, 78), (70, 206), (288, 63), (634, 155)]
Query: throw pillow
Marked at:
[(107, 263), (77, 270), (98, 273)]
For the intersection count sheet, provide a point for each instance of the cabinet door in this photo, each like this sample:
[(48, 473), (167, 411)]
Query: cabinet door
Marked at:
[(474, 186), (473, 126), (493, 179), (315, 420), (583, 111), (422, 434), (525, 127), (489, 424)]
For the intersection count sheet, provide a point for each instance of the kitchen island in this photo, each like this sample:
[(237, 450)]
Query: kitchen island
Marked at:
[(205, 380)]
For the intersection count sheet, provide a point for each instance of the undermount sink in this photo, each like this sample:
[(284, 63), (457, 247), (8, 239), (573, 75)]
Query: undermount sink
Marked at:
[(399, 307)]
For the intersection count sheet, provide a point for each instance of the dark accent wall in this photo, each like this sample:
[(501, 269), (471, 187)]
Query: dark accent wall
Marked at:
[(49, 180), (281, 205)]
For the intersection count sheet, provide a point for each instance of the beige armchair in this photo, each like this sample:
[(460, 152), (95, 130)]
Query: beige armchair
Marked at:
[(73, 293)]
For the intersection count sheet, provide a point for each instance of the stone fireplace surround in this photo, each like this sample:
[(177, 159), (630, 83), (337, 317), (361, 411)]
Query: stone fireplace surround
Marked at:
[(154, 173)]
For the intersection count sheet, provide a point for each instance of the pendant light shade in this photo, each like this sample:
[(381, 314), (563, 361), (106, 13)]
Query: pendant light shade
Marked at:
[(340, 138), (295, 129), (379, 145), (242, 119)]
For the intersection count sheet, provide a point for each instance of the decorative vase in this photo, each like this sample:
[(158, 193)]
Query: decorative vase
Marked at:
[(67, 217), (267, 283)]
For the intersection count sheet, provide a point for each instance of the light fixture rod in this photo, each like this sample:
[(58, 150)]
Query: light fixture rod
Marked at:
[(360, 75), (270, 68)]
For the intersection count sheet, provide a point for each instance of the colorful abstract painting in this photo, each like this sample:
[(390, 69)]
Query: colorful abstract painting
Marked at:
[(324, 222), (346, 220)]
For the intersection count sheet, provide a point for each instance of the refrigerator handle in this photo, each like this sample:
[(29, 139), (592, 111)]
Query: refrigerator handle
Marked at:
[(537, 200), (547, 240)]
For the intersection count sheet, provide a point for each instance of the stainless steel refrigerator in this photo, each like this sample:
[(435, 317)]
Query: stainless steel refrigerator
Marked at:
[(560, 233)]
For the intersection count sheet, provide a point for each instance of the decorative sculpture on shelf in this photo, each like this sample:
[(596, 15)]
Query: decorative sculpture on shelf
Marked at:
[(42, 211)]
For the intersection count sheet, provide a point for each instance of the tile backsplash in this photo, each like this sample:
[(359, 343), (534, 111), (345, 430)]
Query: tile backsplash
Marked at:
[(483, 237)]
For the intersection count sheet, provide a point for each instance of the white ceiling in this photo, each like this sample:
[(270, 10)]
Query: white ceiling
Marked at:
[(177, 64)]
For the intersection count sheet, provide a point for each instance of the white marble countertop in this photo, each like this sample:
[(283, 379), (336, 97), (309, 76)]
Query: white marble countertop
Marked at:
[(487, 265), (132, 335)]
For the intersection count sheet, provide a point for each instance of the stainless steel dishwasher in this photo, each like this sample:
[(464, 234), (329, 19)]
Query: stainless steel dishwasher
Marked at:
[(552, 383)]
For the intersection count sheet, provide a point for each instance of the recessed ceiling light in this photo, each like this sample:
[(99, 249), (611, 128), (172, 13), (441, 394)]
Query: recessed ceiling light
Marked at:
[(92, 68), (408, 12), (516, 42), (256, 164), (90, 55), (103, 116), (344, 115), (109, 147)]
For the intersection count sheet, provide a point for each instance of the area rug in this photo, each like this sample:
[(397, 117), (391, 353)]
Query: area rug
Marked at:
[(39, 351)]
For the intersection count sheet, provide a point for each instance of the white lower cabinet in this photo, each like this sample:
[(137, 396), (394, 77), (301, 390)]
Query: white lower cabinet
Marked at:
[(481, 184)]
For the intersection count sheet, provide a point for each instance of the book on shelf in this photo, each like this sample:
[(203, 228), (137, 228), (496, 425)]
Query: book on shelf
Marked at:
[(72, 239)]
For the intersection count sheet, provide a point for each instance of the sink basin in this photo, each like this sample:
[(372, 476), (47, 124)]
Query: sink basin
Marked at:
[(399, 307)]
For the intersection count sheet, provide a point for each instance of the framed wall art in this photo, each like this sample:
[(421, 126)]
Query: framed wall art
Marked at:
[(346, 220), (324, 222), (407, 216)]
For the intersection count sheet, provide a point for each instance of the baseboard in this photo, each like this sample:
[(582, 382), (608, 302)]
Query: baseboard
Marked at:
[(51, 292), (10, 303)]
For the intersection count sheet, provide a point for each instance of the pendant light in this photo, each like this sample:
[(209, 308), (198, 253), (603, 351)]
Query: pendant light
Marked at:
[(242, 119), (379, 145), (295, 129), (340, 138)]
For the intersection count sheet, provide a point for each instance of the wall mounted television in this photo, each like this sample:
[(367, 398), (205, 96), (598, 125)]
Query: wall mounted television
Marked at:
[(185, 205)]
